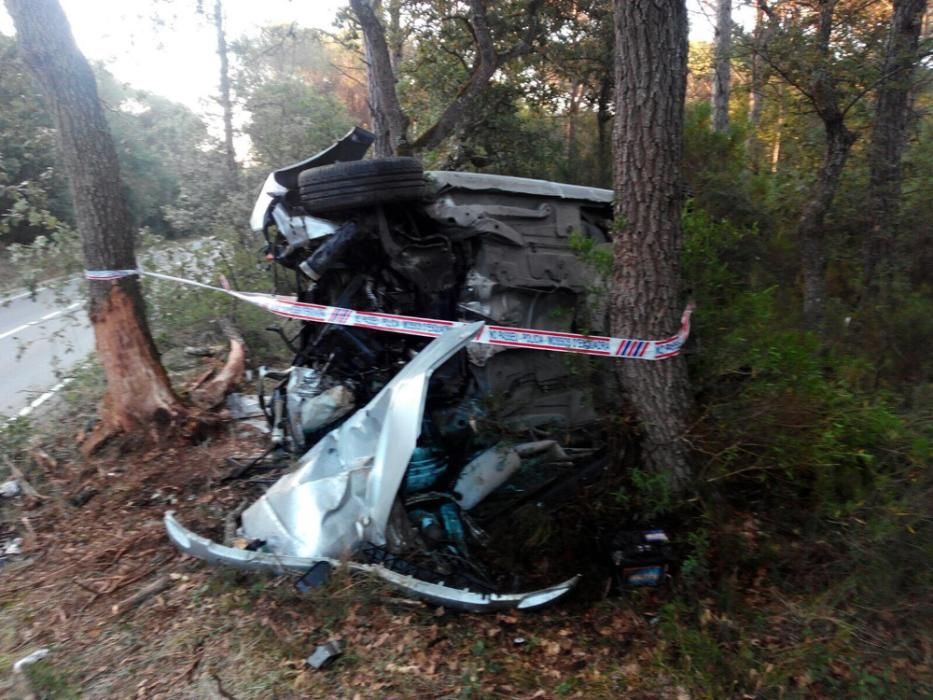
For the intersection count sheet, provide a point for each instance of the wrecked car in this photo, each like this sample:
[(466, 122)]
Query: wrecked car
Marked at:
[(400, 440)]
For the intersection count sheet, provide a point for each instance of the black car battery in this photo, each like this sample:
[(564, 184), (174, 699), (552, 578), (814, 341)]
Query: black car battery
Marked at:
[(640, 558)]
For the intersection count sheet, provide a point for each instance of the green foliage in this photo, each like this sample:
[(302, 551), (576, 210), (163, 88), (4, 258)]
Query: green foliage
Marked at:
[(171, 167), (168, 162), (290, 120), (716, 170), (298, 101), (495, 139), (183, 315), (50, 682), (647, 493), (33, 198), (784, 410), (56, 254), (598, 257)]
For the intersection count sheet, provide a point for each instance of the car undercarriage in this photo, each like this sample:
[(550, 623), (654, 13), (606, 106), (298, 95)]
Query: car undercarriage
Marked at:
[(406, 447)]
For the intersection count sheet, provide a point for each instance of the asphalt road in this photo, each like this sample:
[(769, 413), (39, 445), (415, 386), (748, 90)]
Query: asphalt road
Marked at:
[(44, 336), (41, 338)]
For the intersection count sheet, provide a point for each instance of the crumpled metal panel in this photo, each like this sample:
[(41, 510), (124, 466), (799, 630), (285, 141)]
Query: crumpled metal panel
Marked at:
[(342, 491), (517, 185)]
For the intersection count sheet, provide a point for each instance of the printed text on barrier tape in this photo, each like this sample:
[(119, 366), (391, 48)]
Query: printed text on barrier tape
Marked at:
[(502, 336)]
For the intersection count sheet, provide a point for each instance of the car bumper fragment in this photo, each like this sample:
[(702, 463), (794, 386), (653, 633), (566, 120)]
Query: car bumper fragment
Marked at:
[(195, 545)]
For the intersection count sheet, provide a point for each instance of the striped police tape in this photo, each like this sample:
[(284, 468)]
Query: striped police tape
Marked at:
[(503, 336)]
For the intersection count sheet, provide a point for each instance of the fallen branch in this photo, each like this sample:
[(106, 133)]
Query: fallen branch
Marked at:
[(161, 584), (125, 581), (212, 392)]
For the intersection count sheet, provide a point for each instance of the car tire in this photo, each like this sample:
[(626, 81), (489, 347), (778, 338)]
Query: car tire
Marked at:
[(361, 183)]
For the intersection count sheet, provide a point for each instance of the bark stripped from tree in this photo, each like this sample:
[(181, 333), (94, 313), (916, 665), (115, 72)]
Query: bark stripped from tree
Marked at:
[(226, 101), (139, 398), (651, 69), (390, 123), (722, 66), (888, 139)]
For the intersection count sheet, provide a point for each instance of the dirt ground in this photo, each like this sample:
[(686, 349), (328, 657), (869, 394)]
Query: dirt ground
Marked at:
[(209, 633), (124, 615)]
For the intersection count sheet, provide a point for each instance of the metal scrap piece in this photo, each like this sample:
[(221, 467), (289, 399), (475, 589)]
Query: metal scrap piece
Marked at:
[(342, 491), (200, 547), (325, 655)]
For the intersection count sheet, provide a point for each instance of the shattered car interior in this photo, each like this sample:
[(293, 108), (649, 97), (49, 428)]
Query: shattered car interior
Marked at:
[(407, 448)]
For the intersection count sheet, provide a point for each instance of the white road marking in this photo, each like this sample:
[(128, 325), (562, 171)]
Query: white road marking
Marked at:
[(43, 319), (37, 290), (21, 295), (43, 398)]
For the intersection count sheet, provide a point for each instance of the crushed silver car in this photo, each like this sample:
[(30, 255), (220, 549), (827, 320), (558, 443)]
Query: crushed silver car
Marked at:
[(400, 441)]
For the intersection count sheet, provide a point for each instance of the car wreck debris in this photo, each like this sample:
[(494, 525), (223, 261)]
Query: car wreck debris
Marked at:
[(10, 488), (325, 655), (317, 576), (399, 441), (641, 558), (30, 659)]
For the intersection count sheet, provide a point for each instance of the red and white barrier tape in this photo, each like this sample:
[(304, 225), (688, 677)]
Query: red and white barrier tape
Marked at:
[(503, 336)]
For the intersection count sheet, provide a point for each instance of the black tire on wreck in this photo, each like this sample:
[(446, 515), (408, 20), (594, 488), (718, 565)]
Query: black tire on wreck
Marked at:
[(361, 183)]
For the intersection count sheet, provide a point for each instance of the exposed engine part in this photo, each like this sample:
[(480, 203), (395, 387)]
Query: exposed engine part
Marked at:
[(311, 407), (442, 426)]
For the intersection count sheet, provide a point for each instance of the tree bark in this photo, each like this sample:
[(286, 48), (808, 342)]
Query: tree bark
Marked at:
[(603, 131), (651, 69), (389, 123), (573, 114), (765, 26), (226, 102), (839, 142), (888, 139), (778, 135), (139, 398), (396, 37), (722, 66)]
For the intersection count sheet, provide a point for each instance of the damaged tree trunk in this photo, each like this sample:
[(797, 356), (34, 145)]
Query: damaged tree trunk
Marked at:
[(651, 71), (139, 398)]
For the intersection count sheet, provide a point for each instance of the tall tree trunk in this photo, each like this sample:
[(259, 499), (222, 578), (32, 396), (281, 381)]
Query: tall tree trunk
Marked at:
[(395, 35), (839, 142), (389, 123), (722, 66), (226, 102), (603, 131), (573, 114), (139, 397), (888, 139), (651, 69), (765, 27), (778, 134)]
